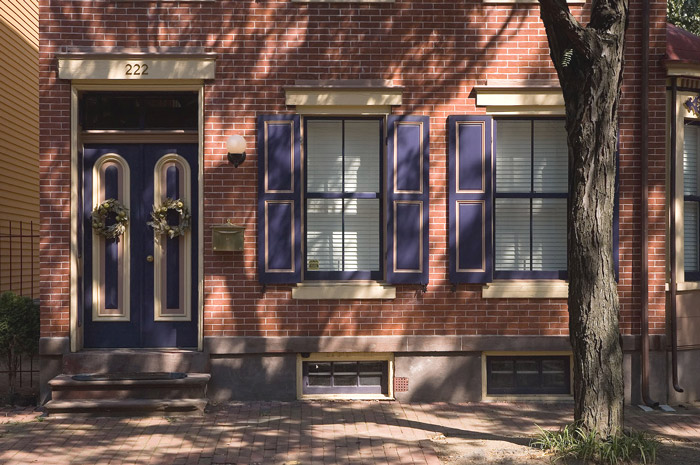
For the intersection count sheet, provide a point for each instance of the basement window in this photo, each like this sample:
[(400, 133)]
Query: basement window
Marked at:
[(344, 376), (528, 375)]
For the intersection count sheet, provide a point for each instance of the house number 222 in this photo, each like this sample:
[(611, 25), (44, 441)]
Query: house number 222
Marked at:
[(136, 69)]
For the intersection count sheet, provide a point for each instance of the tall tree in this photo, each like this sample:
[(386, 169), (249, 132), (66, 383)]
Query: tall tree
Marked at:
[(588, 60), (685, 14)]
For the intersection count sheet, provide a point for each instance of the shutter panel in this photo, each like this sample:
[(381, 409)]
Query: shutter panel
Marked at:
[(279, 199), (407, 199), (470, 199)]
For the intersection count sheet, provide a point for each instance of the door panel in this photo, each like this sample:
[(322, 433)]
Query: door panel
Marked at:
[(119, 280)]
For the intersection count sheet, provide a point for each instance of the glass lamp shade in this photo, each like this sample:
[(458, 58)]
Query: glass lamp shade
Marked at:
[(235, 144)]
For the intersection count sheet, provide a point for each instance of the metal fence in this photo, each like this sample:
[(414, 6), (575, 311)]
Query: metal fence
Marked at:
[(19, 257), (19, 273)]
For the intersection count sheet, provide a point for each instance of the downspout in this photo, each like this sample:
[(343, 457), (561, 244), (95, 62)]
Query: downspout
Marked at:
[(644, 275), (672, 242)]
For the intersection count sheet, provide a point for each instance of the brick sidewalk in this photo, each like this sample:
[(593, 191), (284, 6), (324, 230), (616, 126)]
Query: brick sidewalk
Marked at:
[(294, 433)]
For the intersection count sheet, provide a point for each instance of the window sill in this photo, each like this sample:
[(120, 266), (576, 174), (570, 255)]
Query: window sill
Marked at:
[(685, 286), (544, 289), (343, 291)]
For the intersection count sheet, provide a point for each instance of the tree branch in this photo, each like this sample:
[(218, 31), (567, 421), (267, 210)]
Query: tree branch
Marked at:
[(563, 29)]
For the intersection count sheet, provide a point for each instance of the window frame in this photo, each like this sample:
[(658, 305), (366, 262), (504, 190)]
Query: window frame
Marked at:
[(520, 274), (313, 275), (324, 357), (515, 390), (692, 276)]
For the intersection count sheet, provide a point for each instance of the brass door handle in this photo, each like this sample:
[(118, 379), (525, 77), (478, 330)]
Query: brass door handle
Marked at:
[(149, 259)]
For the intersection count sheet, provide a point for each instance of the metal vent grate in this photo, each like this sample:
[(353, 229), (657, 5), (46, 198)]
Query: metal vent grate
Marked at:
[(400, 384)]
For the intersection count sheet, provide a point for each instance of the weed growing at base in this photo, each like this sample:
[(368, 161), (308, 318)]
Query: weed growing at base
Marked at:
[(575, 442)]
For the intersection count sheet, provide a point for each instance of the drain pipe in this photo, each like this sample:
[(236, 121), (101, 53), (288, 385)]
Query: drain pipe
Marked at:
[(644, 275), (672, 242)]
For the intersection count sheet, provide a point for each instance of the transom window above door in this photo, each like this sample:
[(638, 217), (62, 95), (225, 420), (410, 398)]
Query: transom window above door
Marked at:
[(139, 111), (343, 191)]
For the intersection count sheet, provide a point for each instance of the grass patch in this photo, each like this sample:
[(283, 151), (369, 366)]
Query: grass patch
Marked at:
[(574, 442)]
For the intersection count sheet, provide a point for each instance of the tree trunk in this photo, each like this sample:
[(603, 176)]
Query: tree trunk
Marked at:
[(589, 65)]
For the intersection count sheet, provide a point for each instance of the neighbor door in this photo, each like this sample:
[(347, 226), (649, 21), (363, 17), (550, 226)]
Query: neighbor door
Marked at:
[(140, 290)]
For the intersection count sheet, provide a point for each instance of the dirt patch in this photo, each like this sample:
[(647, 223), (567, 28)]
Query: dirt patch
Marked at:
[(463, 451)]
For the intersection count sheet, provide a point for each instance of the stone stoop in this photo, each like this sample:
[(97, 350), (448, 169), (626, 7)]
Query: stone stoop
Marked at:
[(125, 382)]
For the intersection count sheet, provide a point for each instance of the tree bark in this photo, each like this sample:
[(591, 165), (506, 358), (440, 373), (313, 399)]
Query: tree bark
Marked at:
[(589, 63)]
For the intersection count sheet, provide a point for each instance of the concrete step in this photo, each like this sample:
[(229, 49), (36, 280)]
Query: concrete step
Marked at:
[(125, 407), (135, 360), (65, 387)]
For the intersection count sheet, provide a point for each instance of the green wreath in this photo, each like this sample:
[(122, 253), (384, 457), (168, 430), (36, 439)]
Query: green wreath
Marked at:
[(159, 217), (110, 218)]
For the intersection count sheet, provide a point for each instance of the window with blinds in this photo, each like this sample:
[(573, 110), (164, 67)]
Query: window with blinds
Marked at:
[(343, 198), (531, 191), (691, 203)]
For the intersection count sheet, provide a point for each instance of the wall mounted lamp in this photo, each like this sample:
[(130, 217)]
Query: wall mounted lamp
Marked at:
[(236, 150)]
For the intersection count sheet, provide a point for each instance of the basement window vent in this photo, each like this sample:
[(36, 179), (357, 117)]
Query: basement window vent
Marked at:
[(528, 375), (346, 377)]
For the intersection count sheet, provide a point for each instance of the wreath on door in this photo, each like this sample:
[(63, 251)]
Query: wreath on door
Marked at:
[(110, 218), (159, 218)]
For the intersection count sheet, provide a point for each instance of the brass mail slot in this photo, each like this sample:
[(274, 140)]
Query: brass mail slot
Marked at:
[(227, 237)]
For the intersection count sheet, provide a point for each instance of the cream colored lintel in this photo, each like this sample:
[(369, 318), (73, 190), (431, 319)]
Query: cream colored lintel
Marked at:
[(343, 291), (133, 67), (527, 110), (501, 96), (682, 69), (345, 97), (343, 110), (540, 289)]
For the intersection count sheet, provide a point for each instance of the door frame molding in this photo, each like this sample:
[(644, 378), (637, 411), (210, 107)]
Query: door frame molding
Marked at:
[(76, 141)]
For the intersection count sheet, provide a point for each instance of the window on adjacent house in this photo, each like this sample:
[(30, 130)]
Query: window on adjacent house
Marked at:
[(345, 377), (343, 209), (530, 205), (691, 204), (528, 375)]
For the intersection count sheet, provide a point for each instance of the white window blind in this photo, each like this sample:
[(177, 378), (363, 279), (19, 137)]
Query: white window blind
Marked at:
[(690, 160), (690, 239), (691, 139), (343, 160), (551, 157), (512, 234), (530, 230), (548, 234), (324, 233), (324, 156), (362, 156), (514, 160)]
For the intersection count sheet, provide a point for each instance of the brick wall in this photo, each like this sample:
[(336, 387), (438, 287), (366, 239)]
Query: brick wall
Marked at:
[(438, 50)]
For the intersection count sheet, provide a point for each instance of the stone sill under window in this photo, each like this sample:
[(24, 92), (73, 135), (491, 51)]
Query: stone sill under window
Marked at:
[(324, 290), (521, 289)]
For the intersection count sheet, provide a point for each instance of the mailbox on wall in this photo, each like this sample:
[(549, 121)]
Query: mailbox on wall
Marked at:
[(227, 237)]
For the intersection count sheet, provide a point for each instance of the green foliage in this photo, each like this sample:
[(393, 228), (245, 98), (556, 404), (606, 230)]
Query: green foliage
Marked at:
[(19, 331), (685, 14), (574, 442)]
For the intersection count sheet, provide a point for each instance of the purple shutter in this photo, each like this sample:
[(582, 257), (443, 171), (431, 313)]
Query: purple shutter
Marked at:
[(470, 199), (407, 199), (279, 199)]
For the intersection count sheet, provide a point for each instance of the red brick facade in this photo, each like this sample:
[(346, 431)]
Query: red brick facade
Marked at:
[(438, 51)]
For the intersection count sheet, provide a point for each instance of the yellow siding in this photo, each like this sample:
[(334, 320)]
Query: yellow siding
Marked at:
[(19, 146)]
